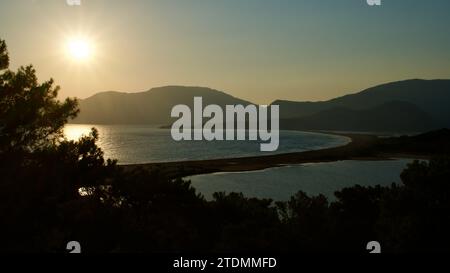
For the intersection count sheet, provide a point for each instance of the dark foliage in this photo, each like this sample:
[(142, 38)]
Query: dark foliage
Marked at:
[(4, 58), (435, 142)]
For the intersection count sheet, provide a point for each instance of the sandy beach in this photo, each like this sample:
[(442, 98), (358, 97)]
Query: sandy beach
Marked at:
[(359, 148)]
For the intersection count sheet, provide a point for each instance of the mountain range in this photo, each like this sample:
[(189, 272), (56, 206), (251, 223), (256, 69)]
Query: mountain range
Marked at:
[(150, 107), (410, 105)]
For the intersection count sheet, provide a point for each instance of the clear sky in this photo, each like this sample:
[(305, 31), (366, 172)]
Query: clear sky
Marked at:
[(260, 50)]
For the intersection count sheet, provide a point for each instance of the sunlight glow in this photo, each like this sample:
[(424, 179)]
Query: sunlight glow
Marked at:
[(80, 49), (76, 131)]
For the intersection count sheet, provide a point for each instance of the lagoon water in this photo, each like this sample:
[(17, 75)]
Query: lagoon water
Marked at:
[(131, 144), (315, 178)]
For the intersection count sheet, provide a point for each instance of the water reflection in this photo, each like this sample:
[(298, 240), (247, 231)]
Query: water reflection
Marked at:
[(131, 144), (318, 178), (76, 131)]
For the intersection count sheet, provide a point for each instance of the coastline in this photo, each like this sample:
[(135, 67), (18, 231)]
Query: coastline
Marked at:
[(359, 148)]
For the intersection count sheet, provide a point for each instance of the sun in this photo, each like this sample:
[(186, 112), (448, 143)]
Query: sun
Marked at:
[(79, 49)]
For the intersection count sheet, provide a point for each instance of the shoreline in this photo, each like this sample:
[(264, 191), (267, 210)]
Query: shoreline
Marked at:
[(359, 148)]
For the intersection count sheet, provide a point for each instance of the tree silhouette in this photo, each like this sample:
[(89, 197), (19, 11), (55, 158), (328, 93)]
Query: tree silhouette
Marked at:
[(416, 216), (40, 171), (31, 117), (4, 58)]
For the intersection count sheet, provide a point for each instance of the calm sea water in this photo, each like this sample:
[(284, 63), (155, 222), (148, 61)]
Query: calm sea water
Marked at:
[(316, 178), (144, 144)]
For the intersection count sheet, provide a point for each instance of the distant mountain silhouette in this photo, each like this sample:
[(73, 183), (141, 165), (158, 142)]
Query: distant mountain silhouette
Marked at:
[(434, 142), (431, 96), (411, 105), (396, 116), (150, 107)]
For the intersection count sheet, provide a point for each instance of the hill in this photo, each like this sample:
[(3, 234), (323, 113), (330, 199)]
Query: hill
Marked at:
[(430, 96), (430, 143), (395, 116), (150, 107), (404, 106)]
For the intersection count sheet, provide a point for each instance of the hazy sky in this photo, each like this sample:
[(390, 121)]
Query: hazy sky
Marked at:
[(258, 50)]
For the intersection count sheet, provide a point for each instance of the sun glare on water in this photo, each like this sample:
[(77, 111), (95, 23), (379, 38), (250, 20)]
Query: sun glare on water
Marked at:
[(76, 131)]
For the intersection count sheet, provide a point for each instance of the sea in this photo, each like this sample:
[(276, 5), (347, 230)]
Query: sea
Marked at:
[(135, 144), (132, 144)]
